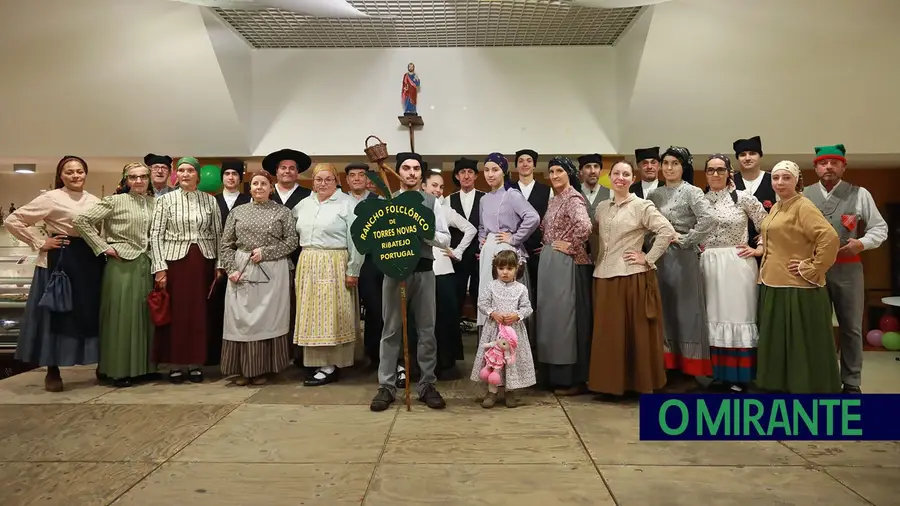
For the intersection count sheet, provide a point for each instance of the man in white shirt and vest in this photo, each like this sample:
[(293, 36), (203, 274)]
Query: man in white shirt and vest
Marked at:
[(853, 214), (647, 159), (466, 202)]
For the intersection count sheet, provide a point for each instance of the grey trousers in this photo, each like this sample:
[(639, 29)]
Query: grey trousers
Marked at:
[(846, 288), (420, 297)]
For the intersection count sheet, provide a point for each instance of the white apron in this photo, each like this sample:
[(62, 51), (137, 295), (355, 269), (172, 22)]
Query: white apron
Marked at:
[(256, 309)]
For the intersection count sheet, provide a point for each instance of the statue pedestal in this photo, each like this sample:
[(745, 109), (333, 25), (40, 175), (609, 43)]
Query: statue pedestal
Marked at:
[(411, 122)]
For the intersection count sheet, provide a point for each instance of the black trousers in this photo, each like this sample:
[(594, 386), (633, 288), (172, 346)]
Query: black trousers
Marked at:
[(370, 280), (466, 280)]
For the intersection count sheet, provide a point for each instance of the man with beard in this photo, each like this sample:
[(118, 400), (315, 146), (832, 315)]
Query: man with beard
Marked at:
[(538, 195), (647, 160), (420, 289), (466, 202), (160, 167), (590, 167), (370, 278), (853, 214), (753, 179)]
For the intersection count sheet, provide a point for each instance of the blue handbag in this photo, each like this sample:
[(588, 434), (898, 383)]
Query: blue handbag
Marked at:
[(57, 295)]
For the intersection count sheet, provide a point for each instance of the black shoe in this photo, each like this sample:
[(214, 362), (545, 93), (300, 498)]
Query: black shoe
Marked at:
[(196, 376), (401, 380), (122, 383), (852, 389), (432, 398), (312, 381), (176, 377), (382, 400)]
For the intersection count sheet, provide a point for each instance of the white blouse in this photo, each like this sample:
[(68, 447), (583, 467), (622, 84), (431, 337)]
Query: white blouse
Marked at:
[(326, 225)]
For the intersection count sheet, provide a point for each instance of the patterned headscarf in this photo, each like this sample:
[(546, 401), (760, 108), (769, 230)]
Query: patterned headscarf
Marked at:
[(729, 183), (58, 183), (123, 183), (568, 166), (687, 161), (501, 160)]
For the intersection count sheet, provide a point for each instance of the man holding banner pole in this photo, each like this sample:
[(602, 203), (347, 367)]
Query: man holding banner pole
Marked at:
[(420, 289)]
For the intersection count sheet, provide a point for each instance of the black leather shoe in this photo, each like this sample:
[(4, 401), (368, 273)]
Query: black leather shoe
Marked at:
[(312, 381), (852, 389), (432, 398), (196, 376), (382, 400), (122, 383), (176, 377)]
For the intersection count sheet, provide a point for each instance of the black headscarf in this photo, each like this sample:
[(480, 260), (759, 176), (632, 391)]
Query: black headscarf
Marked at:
[(567, 166), (729, 182), (687, 162)]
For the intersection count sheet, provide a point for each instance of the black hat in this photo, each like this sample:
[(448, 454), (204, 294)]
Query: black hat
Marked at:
[(271, 161), (356, 166), (235, 165), (646, 154), (152, 159), (592, 158), (753, 144), (465, 163), (402, 157), (530, 152)]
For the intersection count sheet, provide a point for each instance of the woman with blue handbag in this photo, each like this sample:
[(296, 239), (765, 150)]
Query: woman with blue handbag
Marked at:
[(62, 316)]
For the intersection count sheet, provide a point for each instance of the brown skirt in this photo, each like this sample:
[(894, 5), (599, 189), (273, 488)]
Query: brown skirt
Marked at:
[(627, 345), (255, 358), (184, 341)]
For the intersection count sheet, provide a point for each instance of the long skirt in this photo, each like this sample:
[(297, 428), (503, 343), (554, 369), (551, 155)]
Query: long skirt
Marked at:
[(64, 339), (326, 323), (126, 330), (564, 320), (446, 325), (731, 291), (796, 341), (627, 347), (485, 275), (684, 312), (184, 341), (256, 358)]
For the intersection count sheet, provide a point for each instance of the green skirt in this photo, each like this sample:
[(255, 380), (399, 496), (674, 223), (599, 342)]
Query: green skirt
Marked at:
[(126, 329), (796, 341)]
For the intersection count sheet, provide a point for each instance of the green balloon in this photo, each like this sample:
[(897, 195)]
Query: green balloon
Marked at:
[(210, 179), (891, 340)]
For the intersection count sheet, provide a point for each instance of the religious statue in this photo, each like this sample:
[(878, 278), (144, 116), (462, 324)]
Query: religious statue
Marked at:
[(410, 94)]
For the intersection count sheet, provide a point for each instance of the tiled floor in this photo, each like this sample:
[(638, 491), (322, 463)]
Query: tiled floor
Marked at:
[(283, 444)]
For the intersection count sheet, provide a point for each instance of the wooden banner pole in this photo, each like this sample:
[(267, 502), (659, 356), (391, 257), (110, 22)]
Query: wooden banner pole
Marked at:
[(405, 342)]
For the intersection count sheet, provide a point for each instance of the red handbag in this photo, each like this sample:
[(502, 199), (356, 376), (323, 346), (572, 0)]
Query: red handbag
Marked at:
[(158, 300)]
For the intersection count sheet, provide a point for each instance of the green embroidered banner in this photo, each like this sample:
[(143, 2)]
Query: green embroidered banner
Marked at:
[(391, 230)]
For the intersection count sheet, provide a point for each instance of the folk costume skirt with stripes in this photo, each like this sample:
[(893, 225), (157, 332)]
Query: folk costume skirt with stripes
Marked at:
[(184, 341), (627, 346), (126, 330), (64, 339), (256, 339), (731, 291), (796, 341), (684, 312), (326, 323)]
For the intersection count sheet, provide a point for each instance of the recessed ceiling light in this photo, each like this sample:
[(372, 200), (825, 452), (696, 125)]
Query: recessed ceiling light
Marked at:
[(24, 168)]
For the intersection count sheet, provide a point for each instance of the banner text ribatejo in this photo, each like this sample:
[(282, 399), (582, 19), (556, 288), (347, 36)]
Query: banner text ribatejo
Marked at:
[(769, 417)]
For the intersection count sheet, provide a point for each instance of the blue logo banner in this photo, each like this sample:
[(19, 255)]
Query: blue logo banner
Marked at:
[(723, 417)]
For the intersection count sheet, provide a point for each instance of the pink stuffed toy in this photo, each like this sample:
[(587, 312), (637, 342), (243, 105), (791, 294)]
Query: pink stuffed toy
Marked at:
[(499, 352)]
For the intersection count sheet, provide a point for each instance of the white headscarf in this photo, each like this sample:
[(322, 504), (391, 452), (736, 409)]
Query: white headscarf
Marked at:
[(789, 166)]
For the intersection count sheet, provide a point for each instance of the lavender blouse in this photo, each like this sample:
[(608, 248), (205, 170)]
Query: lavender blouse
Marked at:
[(505, 210)]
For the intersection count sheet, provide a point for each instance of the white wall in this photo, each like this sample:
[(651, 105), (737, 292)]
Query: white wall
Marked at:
[(111, 78), (800, 73), (473, 100), (120, 78)]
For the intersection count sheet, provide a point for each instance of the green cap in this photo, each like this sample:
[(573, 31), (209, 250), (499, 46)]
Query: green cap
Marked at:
[(836, 152)]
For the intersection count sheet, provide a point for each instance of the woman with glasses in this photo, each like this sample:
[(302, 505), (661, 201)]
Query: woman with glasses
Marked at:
[(327, 274), (730, 272), (256, 244), (184, 243), (125, 326)]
